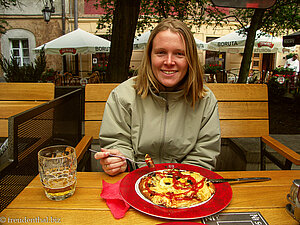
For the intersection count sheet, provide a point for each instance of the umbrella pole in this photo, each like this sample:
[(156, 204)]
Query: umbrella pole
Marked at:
[(81, 66), (76, 65)]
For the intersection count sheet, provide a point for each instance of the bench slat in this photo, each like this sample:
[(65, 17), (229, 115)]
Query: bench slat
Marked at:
[(3, 128), (14, 107), (244, 128), (92, 128), (229, 128), (94, 110), (98, 92), (239, 92), (227, 110), (223, 92), (243, 110), (27, 91)]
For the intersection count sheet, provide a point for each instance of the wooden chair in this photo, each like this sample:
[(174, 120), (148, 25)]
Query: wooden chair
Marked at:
[(243, 110), (58, 79), (94, 78)]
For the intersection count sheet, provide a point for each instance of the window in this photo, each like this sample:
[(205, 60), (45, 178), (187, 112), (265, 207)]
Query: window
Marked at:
[(255, 63), (20, 51)]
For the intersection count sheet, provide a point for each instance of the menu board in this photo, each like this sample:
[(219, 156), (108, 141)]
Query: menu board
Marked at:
[(238, 218)]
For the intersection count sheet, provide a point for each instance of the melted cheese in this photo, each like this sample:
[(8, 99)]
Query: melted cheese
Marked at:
[(185, 193)]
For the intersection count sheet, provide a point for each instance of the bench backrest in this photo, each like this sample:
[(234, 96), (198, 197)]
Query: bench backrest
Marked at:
[(18, 97), (243, 108)]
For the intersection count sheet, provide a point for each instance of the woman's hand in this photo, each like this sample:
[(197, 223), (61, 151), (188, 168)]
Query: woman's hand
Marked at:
[(111, 165)]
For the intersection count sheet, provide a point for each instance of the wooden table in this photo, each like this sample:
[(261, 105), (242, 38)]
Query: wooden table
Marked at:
[(86, 206)]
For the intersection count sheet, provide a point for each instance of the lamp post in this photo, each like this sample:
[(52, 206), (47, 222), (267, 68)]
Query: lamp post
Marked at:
[(48, 9)]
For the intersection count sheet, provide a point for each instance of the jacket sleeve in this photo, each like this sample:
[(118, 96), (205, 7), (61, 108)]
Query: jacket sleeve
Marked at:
[(208, 144), (115, 131)]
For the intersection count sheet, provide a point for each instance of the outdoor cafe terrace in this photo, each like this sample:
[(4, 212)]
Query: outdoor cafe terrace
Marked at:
[(67, 117)]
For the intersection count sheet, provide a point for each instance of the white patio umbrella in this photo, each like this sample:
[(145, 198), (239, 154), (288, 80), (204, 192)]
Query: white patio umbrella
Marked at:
[(140, 42), (77, 41), (200, 44), (235, 43)]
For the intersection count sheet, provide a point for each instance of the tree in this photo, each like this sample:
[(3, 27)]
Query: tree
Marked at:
[(125, 13), (6, 4), (124, 24), (284, 15)]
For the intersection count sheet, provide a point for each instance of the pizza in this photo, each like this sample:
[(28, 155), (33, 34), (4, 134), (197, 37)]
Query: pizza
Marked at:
[(174, 188)]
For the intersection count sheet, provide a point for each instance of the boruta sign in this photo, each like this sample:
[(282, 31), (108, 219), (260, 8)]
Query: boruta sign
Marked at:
[(101, 49), (228, 43), (67, 50), (265, 43), (289, 41)]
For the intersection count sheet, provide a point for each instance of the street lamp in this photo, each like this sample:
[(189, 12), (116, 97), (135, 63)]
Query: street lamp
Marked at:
[(48, 10)]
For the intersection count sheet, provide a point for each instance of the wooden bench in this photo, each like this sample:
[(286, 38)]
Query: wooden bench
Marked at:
[(56, 122), (18, 97), (243, 110)]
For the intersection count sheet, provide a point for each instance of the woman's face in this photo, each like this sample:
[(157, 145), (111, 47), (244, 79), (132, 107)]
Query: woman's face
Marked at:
[(168, 60)]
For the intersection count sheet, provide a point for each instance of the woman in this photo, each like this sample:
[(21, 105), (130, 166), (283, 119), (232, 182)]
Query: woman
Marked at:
[(165, 111)]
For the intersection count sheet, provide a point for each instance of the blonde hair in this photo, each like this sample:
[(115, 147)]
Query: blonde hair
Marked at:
[(193, 81)]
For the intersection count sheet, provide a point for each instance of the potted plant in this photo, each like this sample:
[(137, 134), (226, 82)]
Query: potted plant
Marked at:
[(48, 75), (212, 68), (282, 70), (101, 68)]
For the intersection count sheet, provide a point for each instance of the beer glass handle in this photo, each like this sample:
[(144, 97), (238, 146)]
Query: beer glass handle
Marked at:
[(288, 197)]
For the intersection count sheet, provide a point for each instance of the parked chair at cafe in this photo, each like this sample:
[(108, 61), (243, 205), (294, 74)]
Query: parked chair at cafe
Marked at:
[(94, 78)]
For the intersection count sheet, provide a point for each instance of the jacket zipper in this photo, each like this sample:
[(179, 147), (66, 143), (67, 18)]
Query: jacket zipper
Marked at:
[(164, 130)]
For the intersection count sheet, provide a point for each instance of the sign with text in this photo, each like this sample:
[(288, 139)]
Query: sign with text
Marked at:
[(63, 51)]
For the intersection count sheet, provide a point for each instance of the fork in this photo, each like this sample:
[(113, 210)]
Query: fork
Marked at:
[(121, 157)]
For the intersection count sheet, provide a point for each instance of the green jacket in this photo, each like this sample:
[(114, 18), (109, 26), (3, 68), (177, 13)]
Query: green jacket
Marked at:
[(166, 127)]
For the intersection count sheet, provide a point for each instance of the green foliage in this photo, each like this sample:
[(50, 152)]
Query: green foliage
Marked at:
[(290, 55), (283, 16), (193, 12), (6, 4), (100, 67), (282, 70), (3, 26), (40, 65), (27, 73), (48, 75)]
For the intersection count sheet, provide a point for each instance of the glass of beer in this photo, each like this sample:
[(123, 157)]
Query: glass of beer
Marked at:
[(57, 169)]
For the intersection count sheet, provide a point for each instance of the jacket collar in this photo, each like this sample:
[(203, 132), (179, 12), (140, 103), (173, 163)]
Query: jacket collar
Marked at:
[(168, 95)]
